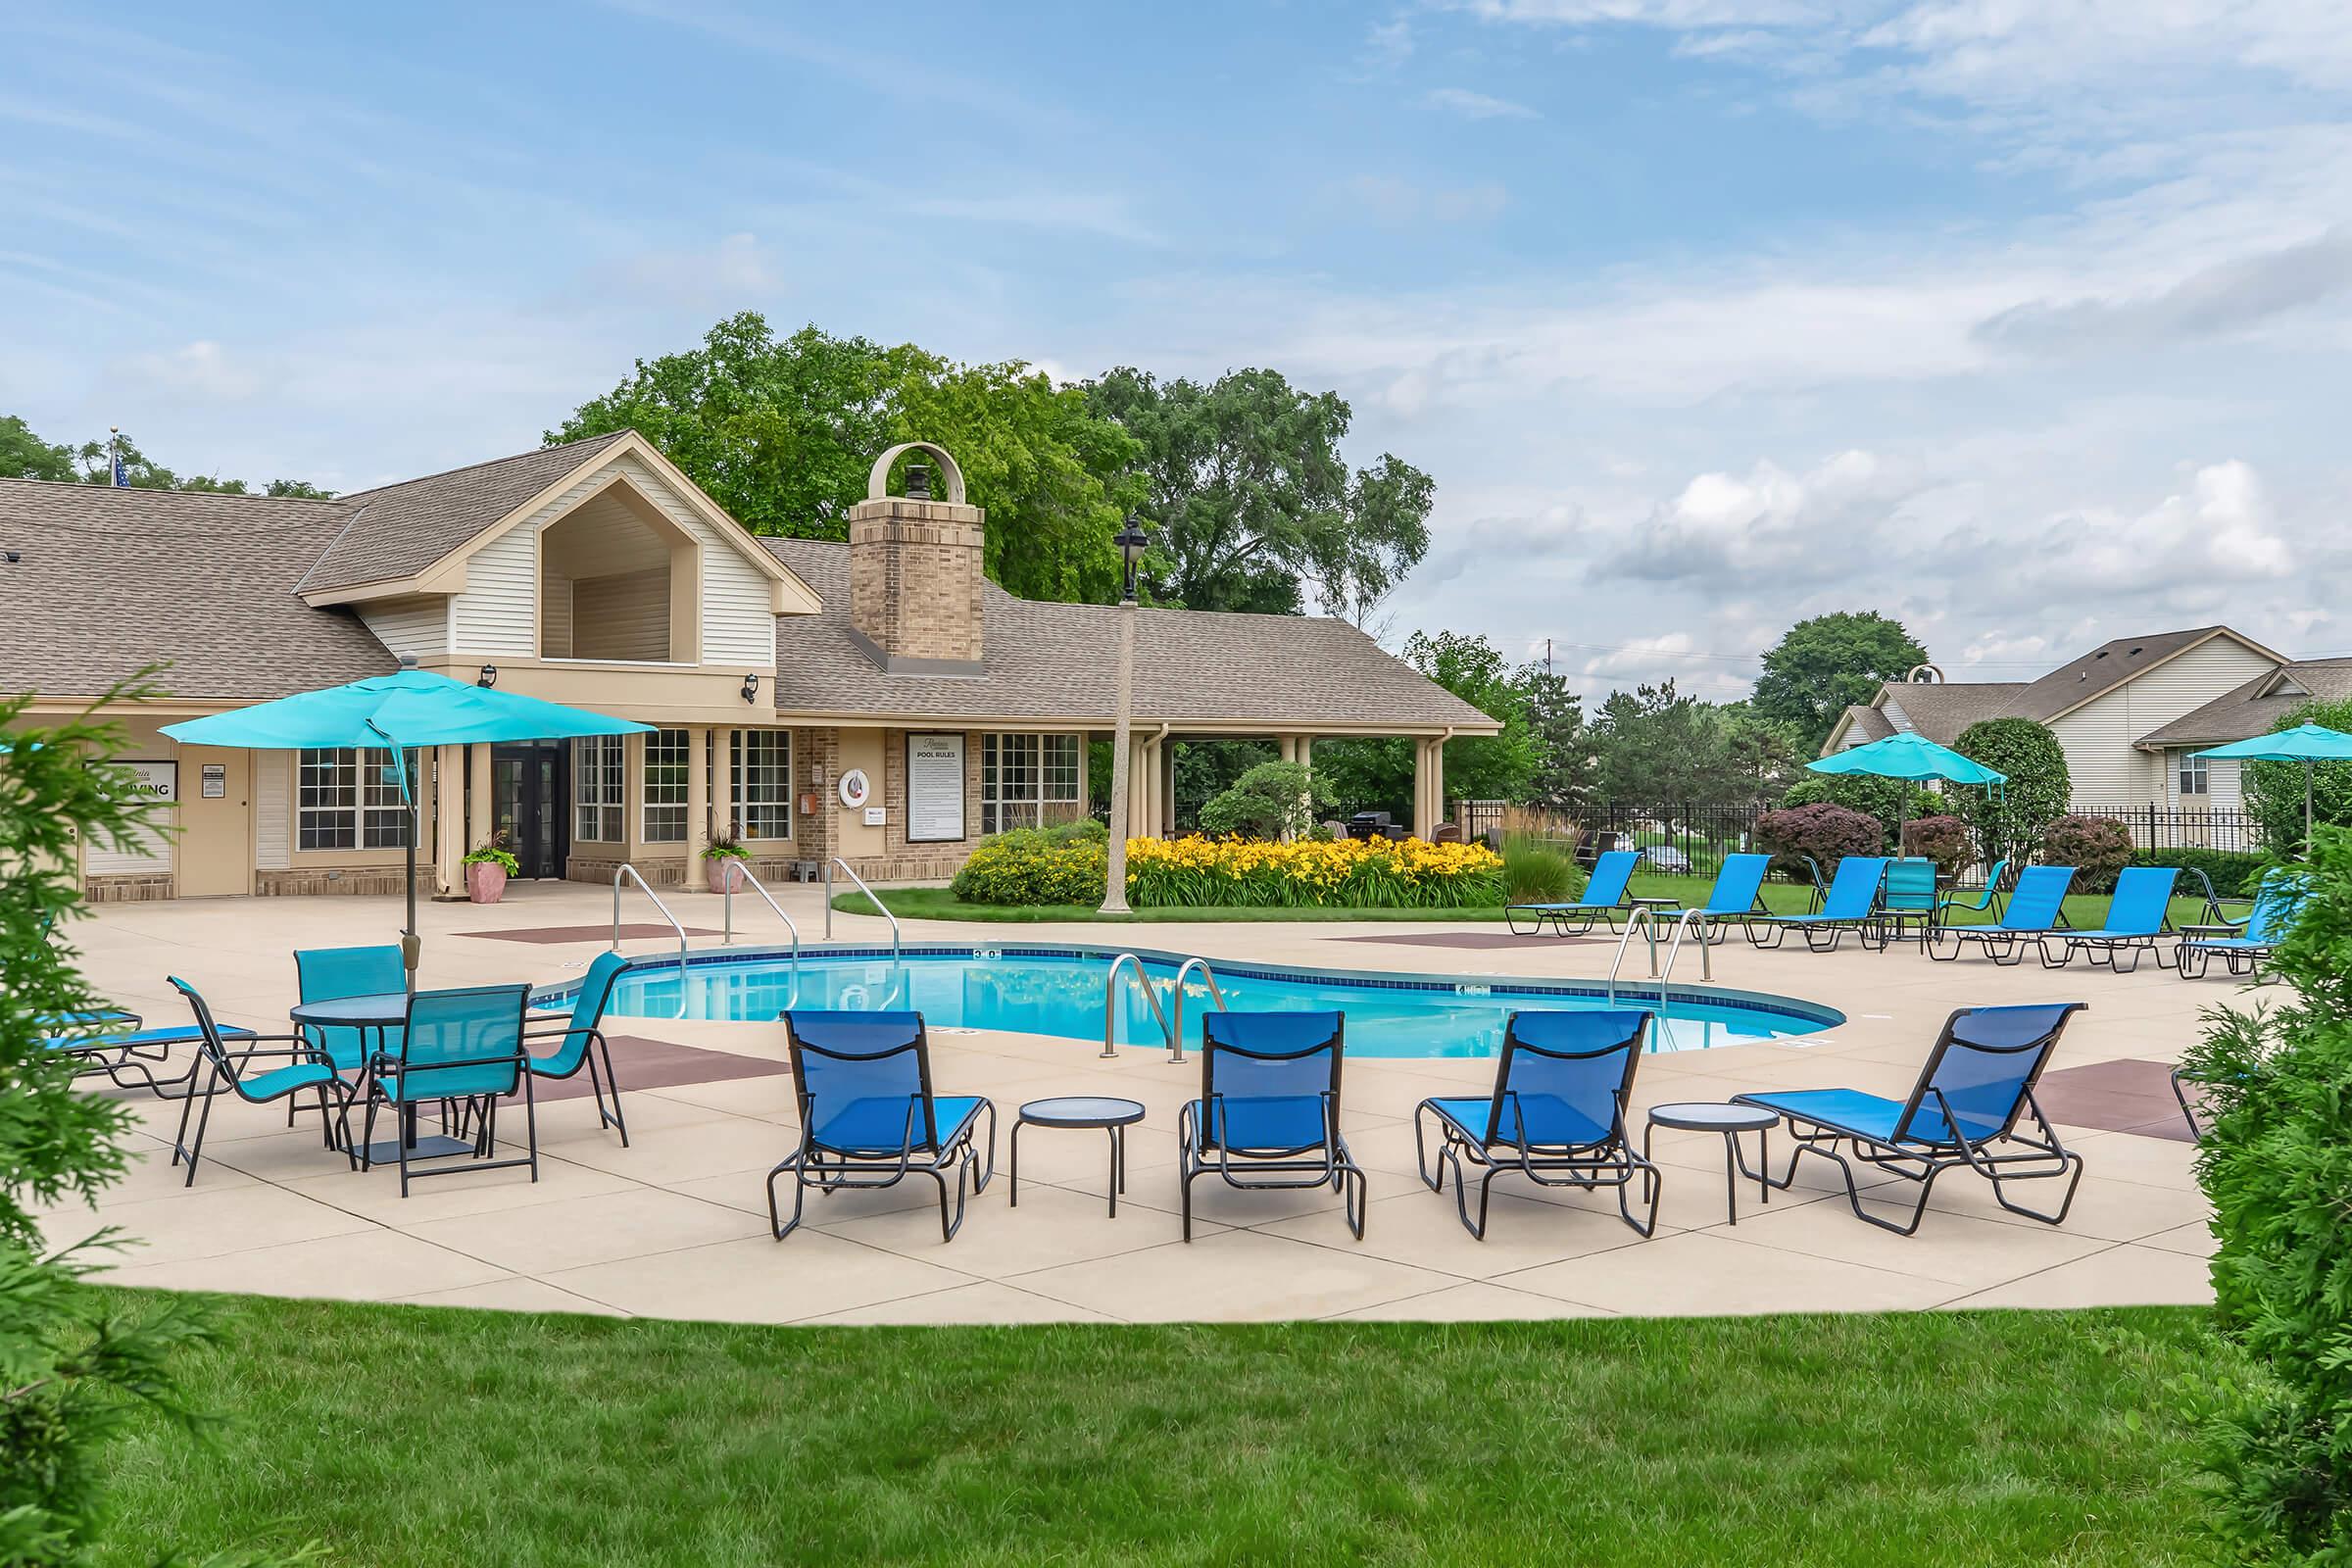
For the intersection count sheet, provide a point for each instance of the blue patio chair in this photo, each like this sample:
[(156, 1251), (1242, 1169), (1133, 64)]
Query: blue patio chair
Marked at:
[(462, 1044), (1908, 897), (581, 1041), (1268, 1115), (1604, 896), (1737, 897), (1964, 1110), (305, 1068), (2036, 910), (2242, 945), (1556, 1116), (2138, 915), (869, 1115), (1988, 897), (1851, 904)]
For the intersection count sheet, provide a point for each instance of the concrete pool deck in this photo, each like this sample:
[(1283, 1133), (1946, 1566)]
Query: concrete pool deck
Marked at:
[(676, 1225)]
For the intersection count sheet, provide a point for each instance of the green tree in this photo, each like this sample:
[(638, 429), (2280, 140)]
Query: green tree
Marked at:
[(2274, 791), (1563, 742), (1272, 800), (1880, 799), (1824, 666), (1378, 776), (1658, 747), (25, 456), (2009, 821), (1761, 756), (1253, 500)]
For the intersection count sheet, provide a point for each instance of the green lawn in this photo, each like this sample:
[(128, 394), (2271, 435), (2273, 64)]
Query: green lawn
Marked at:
[(431, 1436), (939, 903)]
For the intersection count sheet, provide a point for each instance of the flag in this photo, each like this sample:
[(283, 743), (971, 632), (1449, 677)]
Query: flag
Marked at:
[(122, 473)]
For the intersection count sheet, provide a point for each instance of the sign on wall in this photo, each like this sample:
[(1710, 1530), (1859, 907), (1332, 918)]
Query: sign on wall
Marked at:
[(934, 789), (151, 781)]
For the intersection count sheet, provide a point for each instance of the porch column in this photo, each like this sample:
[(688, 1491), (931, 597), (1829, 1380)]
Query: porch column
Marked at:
[(449, 822), (698, 803), (1429, 786), (1163, 815), (1139, 788), (477, 808)]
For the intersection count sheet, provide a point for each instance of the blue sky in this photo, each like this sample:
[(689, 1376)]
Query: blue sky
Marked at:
[(2025, 320)]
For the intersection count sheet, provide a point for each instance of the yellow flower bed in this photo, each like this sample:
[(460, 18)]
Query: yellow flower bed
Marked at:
[(1351, 873)]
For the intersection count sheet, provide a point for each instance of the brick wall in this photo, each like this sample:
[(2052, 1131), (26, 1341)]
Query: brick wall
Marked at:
[(914, 577)]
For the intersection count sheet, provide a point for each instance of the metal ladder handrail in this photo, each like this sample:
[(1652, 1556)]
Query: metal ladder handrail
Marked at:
[(897, 937), (735, 869), (1215, 992), (1111, 1006), (638, 877), (1639, 919)]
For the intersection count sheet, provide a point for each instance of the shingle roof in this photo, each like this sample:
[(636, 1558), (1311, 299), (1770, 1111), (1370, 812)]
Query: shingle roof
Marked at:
[(112, 579), (402, 529), (1940, 711), (2244, 712), (2102, 670), (1059, 662), (1865, 723)]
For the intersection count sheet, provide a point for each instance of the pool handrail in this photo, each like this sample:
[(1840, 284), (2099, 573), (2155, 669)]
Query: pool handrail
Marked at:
[(1110, 1008), (633, 874), (897, 937), (1646, 916), (1176, 1038), (735, 869)]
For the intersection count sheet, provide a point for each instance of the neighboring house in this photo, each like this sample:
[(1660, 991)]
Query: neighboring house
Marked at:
[(876, 700), (2129, 713)]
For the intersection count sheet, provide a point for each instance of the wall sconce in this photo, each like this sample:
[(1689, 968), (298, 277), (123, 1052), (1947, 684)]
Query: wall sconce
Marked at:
[(488, 677), (750, 688)]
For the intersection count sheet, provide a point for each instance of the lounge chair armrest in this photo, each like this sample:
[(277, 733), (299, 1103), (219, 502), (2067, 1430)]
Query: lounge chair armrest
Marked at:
[(2231, 930)]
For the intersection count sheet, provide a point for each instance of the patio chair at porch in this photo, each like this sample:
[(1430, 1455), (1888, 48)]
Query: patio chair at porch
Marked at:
[(581, 1042), (460, 1045), (2037, 908), (1604, 896), (1268, 1115), (225, 1063), (2138, 916), (2241, 946), (869, 1117), (1851, 904), (1557, 1115), (1963, 1111)]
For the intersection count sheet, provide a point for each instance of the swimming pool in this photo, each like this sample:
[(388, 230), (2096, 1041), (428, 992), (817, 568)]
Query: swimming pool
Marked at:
[(1043, 989)]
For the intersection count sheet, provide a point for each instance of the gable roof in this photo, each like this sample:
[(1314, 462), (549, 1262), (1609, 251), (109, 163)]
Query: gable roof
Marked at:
[(1058, 663), (1860, 724), (2110, 665), (2255, 708), (112, 579), (400, 529), (1940, 711)]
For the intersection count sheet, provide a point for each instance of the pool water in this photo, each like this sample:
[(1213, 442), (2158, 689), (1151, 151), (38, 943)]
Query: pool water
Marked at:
[(1059, 991)]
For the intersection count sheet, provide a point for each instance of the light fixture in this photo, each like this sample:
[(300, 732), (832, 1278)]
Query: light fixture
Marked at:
[(488, 677), (750, 688), (1132, 543)]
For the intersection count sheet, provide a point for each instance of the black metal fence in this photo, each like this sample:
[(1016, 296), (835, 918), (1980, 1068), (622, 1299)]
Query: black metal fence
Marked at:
[(2155, 827)]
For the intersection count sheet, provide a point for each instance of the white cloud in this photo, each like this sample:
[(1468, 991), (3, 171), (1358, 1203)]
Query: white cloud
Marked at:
[(1394, 202), (200, 372), (1476, 105)]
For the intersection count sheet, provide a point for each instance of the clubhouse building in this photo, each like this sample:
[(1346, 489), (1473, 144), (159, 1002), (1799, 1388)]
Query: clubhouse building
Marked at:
[(878, 699)]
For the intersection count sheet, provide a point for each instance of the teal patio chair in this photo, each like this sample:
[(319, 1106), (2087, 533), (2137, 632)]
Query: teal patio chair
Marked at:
[(305, 1069), (1988, 900), (1907, 897), (2138, 916), (465, 1045), (330, 974), (581, 1042)]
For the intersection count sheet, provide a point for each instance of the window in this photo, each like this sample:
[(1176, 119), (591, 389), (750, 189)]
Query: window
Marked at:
[(1021, 776), (598, 772), (347, 800), (666, 757), (762, 776), (2194, 779)]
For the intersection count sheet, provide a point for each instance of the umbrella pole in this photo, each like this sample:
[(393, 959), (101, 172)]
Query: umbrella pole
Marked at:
[(2309, 767), (409, 941)]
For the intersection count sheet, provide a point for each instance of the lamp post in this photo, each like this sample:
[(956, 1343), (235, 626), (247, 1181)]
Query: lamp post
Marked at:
[(1132, 543)]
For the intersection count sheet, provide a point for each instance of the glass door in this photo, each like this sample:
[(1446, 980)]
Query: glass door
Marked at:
[(528, 795)]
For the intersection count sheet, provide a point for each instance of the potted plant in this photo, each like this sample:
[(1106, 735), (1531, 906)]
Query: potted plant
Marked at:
[(724, 852), (486, 872)]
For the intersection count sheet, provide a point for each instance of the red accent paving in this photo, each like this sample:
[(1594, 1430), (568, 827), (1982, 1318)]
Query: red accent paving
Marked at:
[(584, 933), (642, 1063), (2124, 1095)]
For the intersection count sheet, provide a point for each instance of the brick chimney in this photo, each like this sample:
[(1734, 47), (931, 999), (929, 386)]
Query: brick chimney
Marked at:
[(915, 569)]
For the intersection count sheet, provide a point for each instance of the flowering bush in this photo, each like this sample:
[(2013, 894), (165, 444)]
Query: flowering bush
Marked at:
[(1343, 873), (1941, 839), (2097, 847), (1826, 833), (1037, 865)]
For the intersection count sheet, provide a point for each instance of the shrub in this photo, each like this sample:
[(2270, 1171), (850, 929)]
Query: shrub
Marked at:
[(1825, 832), (1879, 799), (1063, 864), (1946, 840), (2233, 873), (2277, 1164), (1539, 857), (2096, 847), (1350, 873), (2010, 821), (1271, 801)]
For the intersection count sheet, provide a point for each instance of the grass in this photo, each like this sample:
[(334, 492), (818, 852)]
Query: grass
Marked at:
[(2083, 910), (416, 1435)]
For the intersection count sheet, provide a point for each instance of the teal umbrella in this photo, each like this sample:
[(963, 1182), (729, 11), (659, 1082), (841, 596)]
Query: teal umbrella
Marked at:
[(396, 713), (1909, 758), (2308, 744)]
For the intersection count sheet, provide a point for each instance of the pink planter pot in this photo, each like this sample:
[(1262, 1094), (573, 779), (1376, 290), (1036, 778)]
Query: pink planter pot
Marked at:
[(715, 873), (485, 882)]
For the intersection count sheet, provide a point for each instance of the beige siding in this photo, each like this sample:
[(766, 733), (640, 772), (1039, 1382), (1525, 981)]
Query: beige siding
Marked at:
[(554, 612), (418, 625), (739, 626), (626, 616), (1892, 708), (2108, 770), (273, 809), (497, 615)]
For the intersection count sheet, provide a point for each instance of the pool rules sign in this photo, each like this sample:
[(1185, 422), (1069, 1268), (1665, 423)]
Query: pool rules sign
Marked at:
[(934, 789)]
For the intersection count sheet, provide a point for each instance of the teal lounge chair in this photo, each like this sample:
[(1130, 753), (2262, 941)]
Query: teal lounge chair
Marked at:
[(2036, 910), (2242, 945), (2138, 916), (1851, 904), (1736, 897), (1604, 895)]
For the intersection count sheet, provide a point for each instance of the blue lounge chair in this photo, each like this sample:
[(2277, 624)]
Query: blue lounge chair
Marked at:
[(1851, 904), (2242, 945), (305, 1069), (1556, 1116), (1990, 897), (868, 1116), (581, 1041), (2036, 910), (1604, 895), (1737, 897), (2138, 915), (1963, 1111), (462, 1044), (1268, 1115), (127, 1058)]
